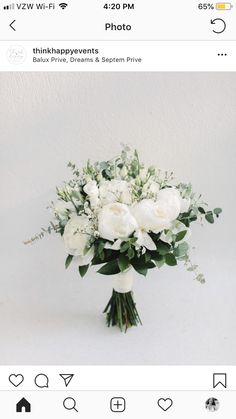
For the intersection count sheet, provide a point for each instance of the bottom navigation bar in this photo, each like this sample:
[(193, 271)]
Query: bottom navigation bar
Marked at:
[(104, 404)]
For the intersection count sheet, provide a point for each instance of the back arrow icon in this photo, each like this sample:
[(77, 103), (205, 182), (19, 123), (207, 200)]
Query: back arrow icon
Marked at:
[(213, 21), (11, 25)]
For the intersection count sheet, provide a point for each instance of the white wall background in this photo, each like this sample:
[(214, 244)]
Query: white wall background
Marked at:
[(182, 122)]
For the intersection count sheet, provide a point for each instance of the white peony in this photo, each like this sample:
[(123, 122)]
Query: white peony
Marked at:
[(157, 216), (149, 217), (77, 235), (115, 191), (169, 200), (115, 221), (91, 189), (185, 204)]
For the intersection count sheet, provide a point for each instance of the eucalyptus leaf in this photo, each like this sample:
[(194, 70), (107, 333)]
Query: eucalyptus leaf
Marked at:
[(181, 250), (170, 259), (163, 248), (217, 211), (180, 235), (201, 210), (160, 263), (209, 217)]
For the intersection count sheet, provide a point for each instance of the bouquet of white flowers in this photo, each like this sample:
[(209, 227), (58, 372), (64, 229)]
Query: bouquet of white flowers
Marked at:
[(128, 218)]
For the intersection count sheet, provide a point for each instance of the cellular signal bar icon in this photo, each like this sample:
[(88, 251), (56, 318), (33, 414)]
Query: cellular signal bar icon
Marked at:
[(9, 7)]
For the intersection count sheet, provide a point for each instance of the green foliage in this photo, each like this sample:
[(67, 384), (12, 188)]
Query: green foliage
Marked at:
[(163, 248), (110, 268), (217, 211), (201, 210), (131, 253), (170, 259), (45, 231), (127, 167), (188, 217), (68, 261), (83, 270), (160, 263), (210, 217), (123, 262), (141, 265), (181, 250), (124, 247), (180, 235)]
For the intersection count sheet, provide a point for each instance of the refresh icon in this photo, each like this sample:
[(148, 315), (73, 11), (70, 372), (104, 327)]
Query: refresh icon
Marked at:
[(219, 22)]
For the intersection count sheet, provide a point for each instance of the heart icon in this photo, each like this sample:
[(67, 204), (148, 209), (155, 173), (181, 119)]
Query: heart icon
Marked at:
[(165, 404), (16, 379)]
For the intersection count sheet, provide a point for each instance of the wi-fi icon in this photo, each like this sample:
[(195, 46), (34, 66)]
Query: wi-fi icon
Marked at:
[(63, 5)]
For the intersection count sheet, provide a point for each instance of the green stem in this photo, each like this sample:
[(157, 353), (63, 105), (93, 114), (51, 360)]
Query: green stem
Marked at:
[(121, 311)]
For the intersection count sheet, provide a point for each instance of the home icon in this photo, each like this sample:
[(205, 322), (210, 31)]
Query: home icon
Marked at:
[(23, 406)]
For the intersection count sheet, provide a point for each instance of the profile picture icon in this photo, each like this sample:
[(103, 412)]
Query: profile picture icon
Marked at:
[(212, 404)]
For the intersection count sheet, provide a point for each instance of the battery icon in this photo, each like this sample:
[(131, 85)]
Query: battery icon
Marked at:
[(224, 6)]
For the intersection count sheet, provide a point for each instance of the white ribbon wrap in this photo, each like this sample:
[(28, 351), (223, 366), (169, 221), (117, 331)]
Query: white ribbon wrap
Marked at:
[(123, 282)]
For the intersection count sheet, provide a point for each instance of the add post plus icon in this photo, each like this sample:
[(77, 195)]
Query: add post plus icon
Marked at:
[(67, 378)]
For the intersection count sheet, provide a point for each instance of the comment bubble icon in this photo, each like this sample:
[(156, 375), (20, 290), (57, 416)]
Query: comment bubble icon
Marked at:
[(41, 381)]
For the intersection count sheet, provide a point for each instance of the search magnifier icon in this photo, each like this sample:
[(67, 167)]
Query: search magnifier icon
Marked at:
[(70, 404)]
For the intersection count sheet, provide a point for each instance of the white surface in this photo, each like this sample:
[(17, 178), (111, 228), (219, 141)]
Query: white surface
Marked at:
[(184, 122)]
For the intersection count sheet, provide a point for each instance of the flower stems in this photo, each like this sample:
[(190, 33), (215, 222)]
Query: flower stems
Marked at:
[(121, 311)]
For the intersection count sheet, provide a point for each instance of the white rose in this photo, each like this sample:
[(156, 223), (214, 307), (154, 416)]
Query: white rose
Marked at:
[(113, 191), (91, 189), (157, 216), (149, 217), (115, 221), (77, 234), (185, 204), (169, 200)]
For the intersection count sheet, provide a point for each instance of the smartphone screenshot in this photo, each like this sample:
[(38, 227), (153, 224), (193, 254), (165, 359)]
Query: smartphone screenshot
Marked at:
[(117, 215)]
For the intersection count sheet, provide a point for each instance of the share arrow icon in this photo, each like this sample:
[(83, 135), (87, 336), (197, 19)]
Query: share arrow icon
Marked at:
[(67, 378)]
